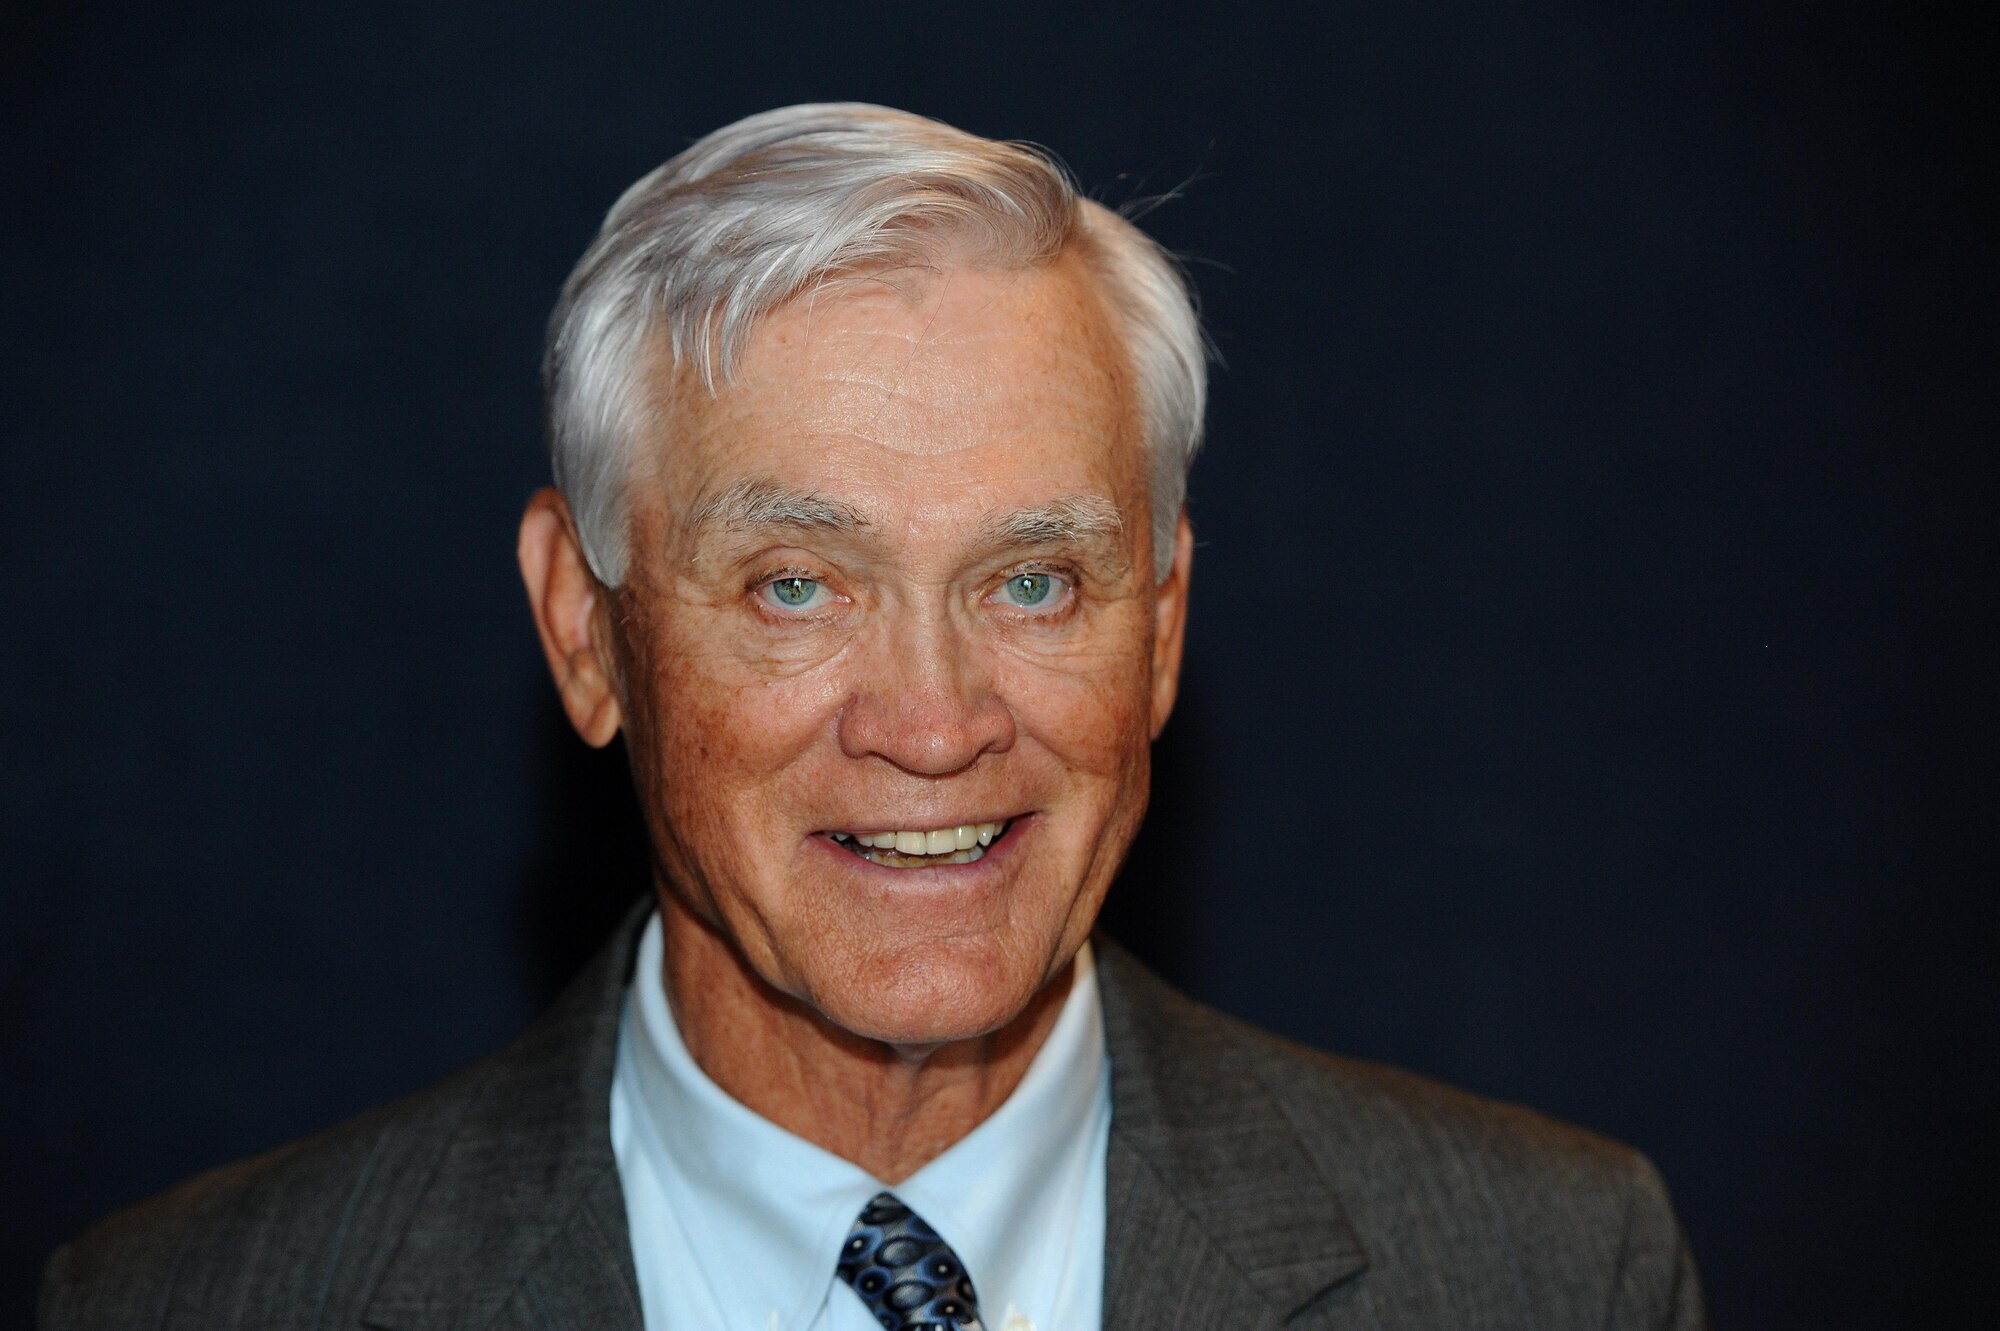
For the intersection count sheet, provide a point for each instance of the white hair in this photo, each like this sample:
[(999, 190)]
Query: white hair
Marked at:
[(701, 248)]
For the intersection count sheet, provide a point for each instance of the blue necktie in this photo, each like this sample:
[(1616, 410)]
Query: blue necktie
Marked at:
[(908, 1276)]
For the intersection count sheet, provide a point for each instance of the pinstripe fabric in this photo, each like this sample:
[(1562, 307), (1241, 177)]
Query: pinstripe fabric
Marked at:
[(1350, 1195), (1250, 1183)]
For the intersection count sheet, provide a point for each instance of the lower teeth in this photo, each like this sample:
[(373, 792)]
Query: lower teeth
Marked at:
[(897, 860)]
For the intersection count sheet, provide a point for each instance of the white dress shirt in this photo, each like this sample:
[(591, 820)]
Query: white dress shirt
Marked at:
[(737, 1224)]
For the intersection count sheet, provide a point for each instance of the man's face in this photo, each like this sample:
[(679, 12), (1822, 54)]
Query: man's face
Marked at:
[(896, 578)]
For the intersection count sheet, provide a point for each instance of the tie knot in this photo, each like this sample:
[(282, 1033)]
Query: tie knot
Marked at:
[(908, 1276)]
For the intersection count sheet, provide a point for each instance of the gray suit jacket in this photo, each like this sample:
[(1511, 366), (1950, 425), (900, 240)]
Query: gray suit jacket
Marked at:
[(1251, 1183)]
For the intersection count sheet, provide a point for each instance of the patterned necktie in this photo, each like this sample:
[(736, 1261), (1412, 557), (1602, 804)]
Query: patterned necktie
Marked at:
[(908, 1276)]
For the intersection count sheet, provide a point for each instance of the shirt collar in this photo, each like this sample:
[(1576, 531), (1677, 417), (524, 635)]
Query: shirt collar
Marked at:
[(739, 1183)]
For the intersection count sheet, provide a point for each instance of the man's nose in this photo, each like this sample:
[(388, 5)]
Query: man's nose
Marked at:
[(927, 703)]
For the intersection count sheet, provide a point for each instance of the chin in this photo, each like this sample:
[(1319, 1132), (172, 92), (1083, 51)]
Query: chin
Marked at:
[(943, 994)]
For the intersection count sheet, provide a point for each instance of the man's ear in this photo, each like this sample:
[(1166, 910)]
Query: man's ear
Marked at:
[(566, 599), (1170, 625)]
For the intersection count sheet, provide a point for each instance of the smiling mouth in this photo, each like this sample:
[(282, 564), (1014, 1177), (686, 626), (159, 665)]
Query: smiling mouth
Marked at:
[(963, 844)]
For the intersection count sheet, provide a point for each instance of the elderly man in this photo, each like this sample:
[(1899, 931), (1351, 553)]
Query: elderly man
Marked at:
[(871, 439)]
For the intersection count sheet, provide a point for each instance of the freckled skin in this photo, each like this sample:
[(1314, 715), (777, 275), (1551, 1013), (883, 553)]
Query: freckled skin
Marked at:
[(881, 1013)]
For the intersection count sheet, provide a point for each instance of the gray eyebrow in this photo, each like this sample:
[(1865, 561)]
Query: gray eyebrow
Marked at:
[(1071, 518), (753, 503)]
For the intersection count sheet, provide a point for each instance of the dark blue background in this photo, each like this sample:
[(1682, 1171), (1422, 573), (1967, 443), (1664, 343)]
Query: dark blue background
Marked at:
[(1588, 697)]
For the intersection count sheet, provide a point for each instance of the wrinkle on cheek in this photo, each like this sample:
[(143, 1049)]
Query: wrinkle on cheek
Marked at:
[(1092, 660), (740, 724), (1107, 668), (774, 662), (1089, 716)]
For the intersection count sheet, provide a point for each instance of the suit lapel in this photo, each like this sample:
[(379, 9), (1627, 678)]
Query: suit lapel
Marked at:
[(1217, 1215), (523, 1223), (581, 1278)]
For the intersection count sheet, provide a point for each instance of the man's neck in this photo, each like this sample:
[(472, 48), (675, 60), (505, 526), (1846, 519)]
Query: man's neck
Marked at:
[(889, 1109)]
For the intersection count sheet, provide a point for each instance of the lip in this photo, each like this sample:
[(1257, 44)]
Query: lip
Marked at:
[(863, 829), (997, 859)]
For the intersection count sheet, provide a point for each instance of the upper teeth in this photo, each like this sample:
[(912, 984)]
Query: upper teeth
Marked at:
[(940, 842)]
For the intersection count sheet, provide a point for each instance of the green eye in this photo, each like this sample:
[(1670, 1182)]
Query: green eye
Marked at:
[(794, 593), (1029, 589)]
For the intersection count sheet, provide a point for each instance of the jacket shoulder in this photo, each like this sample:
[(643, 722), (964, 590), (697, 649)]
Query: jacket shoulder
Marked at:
[(1430, 1170), (1385, 1130), (295, 1228), (305, 1235), (1364, 1120), (1369, 1120), (1463, 1204)]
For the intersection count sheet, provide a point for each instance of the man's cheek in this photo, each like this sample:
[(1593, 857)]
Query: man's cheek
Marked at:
[(1084, 710), (743, 729), (724, 643)]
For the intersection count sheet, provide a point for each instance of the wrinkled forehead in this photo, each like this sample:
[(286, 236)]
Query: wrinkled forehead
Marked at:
[(1003, 373)]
